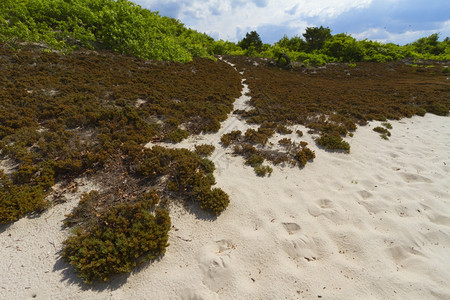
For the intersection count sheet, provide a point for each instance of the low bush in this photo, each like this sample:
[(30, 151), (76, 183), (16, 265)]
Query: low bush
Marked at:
[(384, 133), (214, 200), (260, 136), (285, 142), (204, 150), (304, 155), (283, 129), (254, 160), (333, 142), (121, 238), (262, 170), (18, 200), (228, 138)]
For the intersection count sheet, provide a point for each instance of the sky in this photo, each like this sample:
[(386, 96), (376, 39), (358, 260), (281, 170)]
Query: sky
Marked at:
[(396, 21)]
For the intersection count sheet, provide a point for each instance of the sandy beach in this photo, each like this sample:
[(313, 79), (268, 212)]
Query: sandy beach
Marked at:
[(372, 224)]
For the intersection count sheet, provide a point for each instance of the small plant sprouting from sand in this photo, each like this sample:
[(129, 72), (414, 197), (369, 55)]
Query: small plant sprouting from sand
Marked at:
[(384, 132)]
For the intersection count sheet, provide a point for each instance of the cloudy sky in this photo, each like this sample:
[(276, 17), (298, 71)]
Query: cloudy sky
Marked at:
[(397, 21)]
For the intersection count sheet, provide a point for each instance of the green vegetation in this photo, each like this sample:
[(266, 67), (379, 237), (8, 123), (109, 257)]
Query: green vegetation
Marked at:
[(65, 115), (384, 133), (119, 239), (319, 46), (333, 142), (228, 138), (121, 26), (204, 150), (185, 173)]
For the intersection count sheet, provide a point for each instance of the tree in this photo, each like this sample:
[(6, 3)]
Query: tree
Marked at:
[(429, 45), (251, 39), (316, 36), (343, 47), (295, 43)]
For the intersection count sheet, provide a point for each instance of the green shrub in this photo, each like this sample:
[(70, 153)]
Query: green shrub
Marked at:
[(176, 136), (382, 130), (18, 200), (384, 133), (254, 160), (299, 133), (261, 170), (387, 125), (420, 111), (304, 155), (283, 129), (285, 142), (261, 136), (228, 138), (204, 150), (333, 142), (214, 200), (437, 109), (121, 238)]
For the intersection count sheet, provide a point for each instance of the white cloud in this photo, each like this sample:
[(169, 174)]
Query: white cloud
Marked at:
[(231, 19)]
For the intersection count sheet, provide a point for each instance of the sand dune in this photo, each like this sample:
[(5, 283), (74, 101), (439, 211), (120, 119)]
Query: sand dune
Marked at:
[(372, 224)]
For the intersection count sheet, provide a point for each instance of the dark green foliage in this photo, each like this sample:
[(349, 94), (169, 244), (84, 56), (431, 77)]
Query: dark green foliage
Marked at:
[(228, 138), (176, 136), (122, 237), (186, 173), (283, 129), (65, 115), (121, 26), (333, 142), (254, 160), (316, 37), (285, 142), (260, 136), (437, 109), (299, 133), (262, 171), (304, 155), (214, 200), (251, 39), (384, 133), (420, 111), (18, 200), (387, 125), (204, 150)]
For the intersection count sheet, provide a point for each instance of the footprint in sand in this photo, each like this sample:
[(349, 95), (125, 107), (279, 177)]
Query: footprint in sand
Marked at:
[(408, 177), (214, 260), (401, 253), (291, 228), (302, 248)]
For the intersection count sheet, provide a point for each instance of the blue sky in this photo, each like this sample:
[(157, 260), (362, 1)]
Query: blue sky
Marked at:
[(397, 21)]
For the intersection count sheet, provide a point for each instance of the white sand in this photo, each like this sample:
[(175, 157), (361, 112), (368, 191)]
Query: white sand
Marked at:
[(372, 224)]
